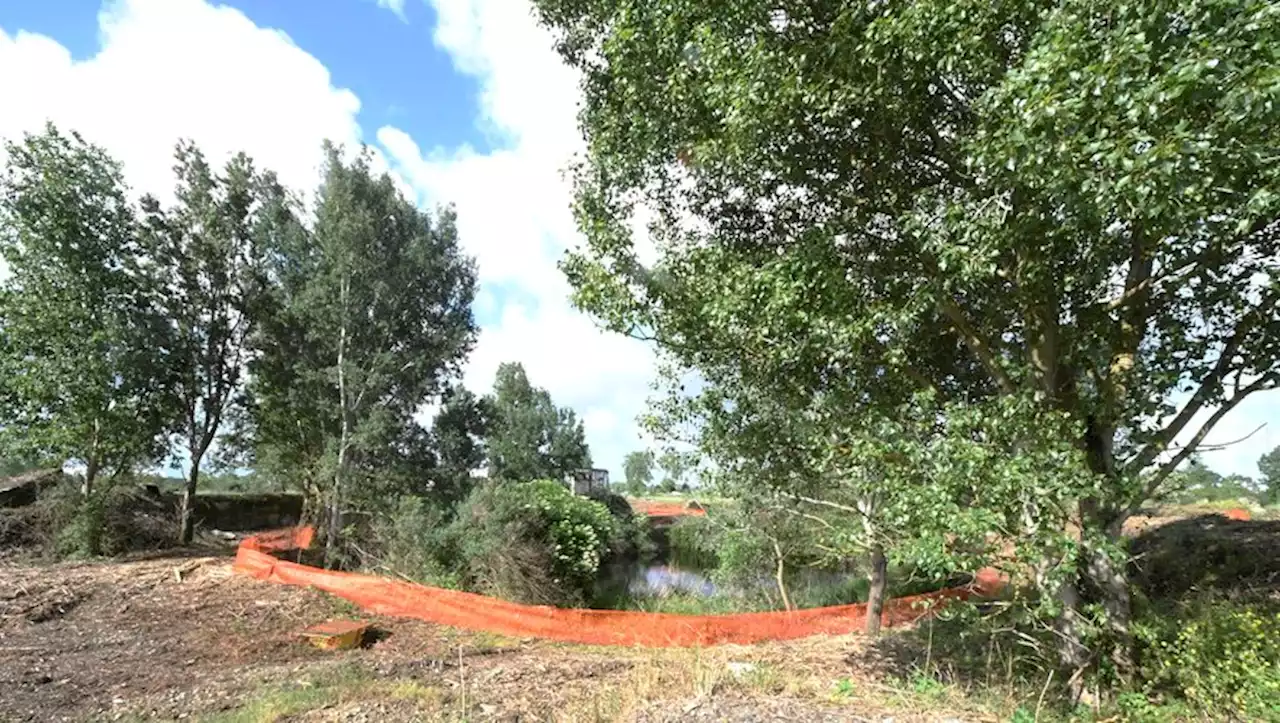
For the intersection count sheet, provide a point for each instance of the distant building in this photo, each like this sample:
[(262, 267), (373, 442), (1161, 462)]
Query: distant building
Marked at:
[(585, 480)]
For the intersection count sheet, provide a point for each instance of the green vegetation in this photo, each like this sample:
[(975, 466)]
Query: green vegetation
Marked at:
[(961, 284), (638, 470), (533, 542), (530, 437), (1220, 656), (954, 276)]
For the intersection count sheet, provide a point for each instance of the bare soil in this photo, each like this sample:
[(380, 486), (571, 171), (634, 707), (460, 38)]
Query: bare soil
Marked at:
[(184, 638)]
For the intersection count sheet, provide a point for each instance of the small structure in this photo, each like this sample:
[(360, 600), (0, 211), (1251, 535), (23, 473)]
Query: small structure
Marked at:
[(336, 634), (583, 481)]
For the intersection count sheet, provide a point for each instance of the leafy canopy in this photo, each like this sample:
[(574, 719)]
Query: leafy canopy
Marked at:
[(530, 437), (367, 316), (84, 349), (1064, 212)]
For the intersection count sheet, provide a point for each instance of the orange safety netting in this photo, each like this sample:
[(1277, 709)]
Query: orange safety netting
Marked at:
[(385, 596), (653, 508)]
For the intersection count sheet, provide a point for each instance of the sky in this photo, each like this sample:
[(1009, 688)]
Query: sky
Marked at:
[(464, 101)]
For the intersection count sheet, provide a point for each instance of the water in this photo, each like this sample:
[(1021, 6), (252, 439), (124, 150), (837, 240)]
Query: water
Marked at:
[(662, 586), (664, 580)]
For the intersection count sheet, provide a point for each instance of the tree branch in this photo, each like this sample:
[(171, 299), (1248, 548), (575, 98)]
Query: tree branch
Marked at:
[(1266, 381), (1206, 389), (979, 346)]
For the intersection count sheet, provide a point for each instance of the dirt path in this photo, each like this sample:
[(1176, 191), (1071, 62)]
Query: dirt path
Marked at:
[(183, 638)]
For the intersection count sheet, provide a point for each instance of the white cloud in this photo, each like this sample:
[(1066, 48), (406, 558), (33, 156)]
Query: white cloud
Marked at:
[(513, 215), (395, 6), (164, 72)]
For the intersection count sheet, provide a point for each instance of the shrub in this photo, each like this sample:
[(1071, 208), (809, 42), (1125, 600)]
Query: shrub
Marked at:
[(533, 542), (1221, 656), (414, 541), (694, 542), (62, 523)]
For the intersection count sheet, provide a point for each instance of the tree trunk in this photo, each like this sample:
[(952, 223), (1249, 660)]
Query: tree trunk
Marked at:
[(188, 502), (335, 499), (1073, 655), (879, 578), (90, 477), (1111, 582), (781, 579), (92, 464)]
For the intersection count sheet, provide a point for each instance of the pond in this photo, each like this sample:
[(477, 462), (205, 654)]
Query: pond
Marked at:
[(660, 586)]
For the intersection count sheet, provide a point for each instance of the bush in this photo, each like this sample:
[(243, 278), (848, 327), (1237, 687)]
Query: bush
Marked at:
[(415, 541), (61, 523), (533, 542), (694, 543), (1221, 656)]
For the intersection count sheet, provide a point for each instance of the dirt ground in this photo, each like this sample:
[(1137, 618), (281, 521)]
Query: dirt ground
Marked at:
[(181, 637), (184, 638)]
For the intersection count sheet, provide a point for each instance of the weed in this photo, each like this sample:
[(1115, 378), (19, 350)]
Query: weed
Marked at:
[(845, 689)]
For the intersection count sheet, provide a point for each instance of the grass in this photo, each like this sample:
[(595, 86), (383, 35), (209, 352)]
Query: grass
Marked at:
[(340, 684)]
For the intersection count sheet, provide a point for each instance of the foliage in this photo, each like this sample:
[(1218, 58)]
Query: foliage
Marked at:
[(737, 552), (615, 503), (1269, 466), (637, 467), (14, 466), (84, 351), (64, 523), (413, 540), (675, 468), (367, 315), (532, 542), (530, 437), (207, 250), (694, 543), (458, 432), (1196, 483), (1033, 227), (1221, 656)]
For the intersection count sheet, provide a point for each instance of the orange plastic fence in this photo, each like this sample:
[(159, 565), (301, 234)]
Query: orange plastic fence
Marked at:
[(653, 508), (1238, 513), (385, 596)]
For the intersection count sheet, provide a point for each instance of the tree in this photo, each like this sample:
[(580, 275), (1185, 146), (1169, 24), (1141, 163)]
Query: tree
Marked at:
[(205, 250), (84, 353), (953, 205), (638, 470), (530, 438), (1269, 466), (370, 313), (459, 430), (1192, 480), (1196, 482), (675, 466)]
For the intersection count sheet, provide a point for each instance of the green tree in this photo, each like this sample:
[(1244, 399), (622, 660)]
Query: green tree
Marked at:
[(957, 206), (530, 438), (84, 353), (204, 248), (371, 313), (1269, 466), (459, 431), (1192, 481), (675, 467), (638, 470)]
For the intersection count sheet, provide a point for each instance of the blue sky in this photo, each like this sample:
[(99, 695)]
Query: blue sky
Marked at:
[(401, 76), (462, 100)]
